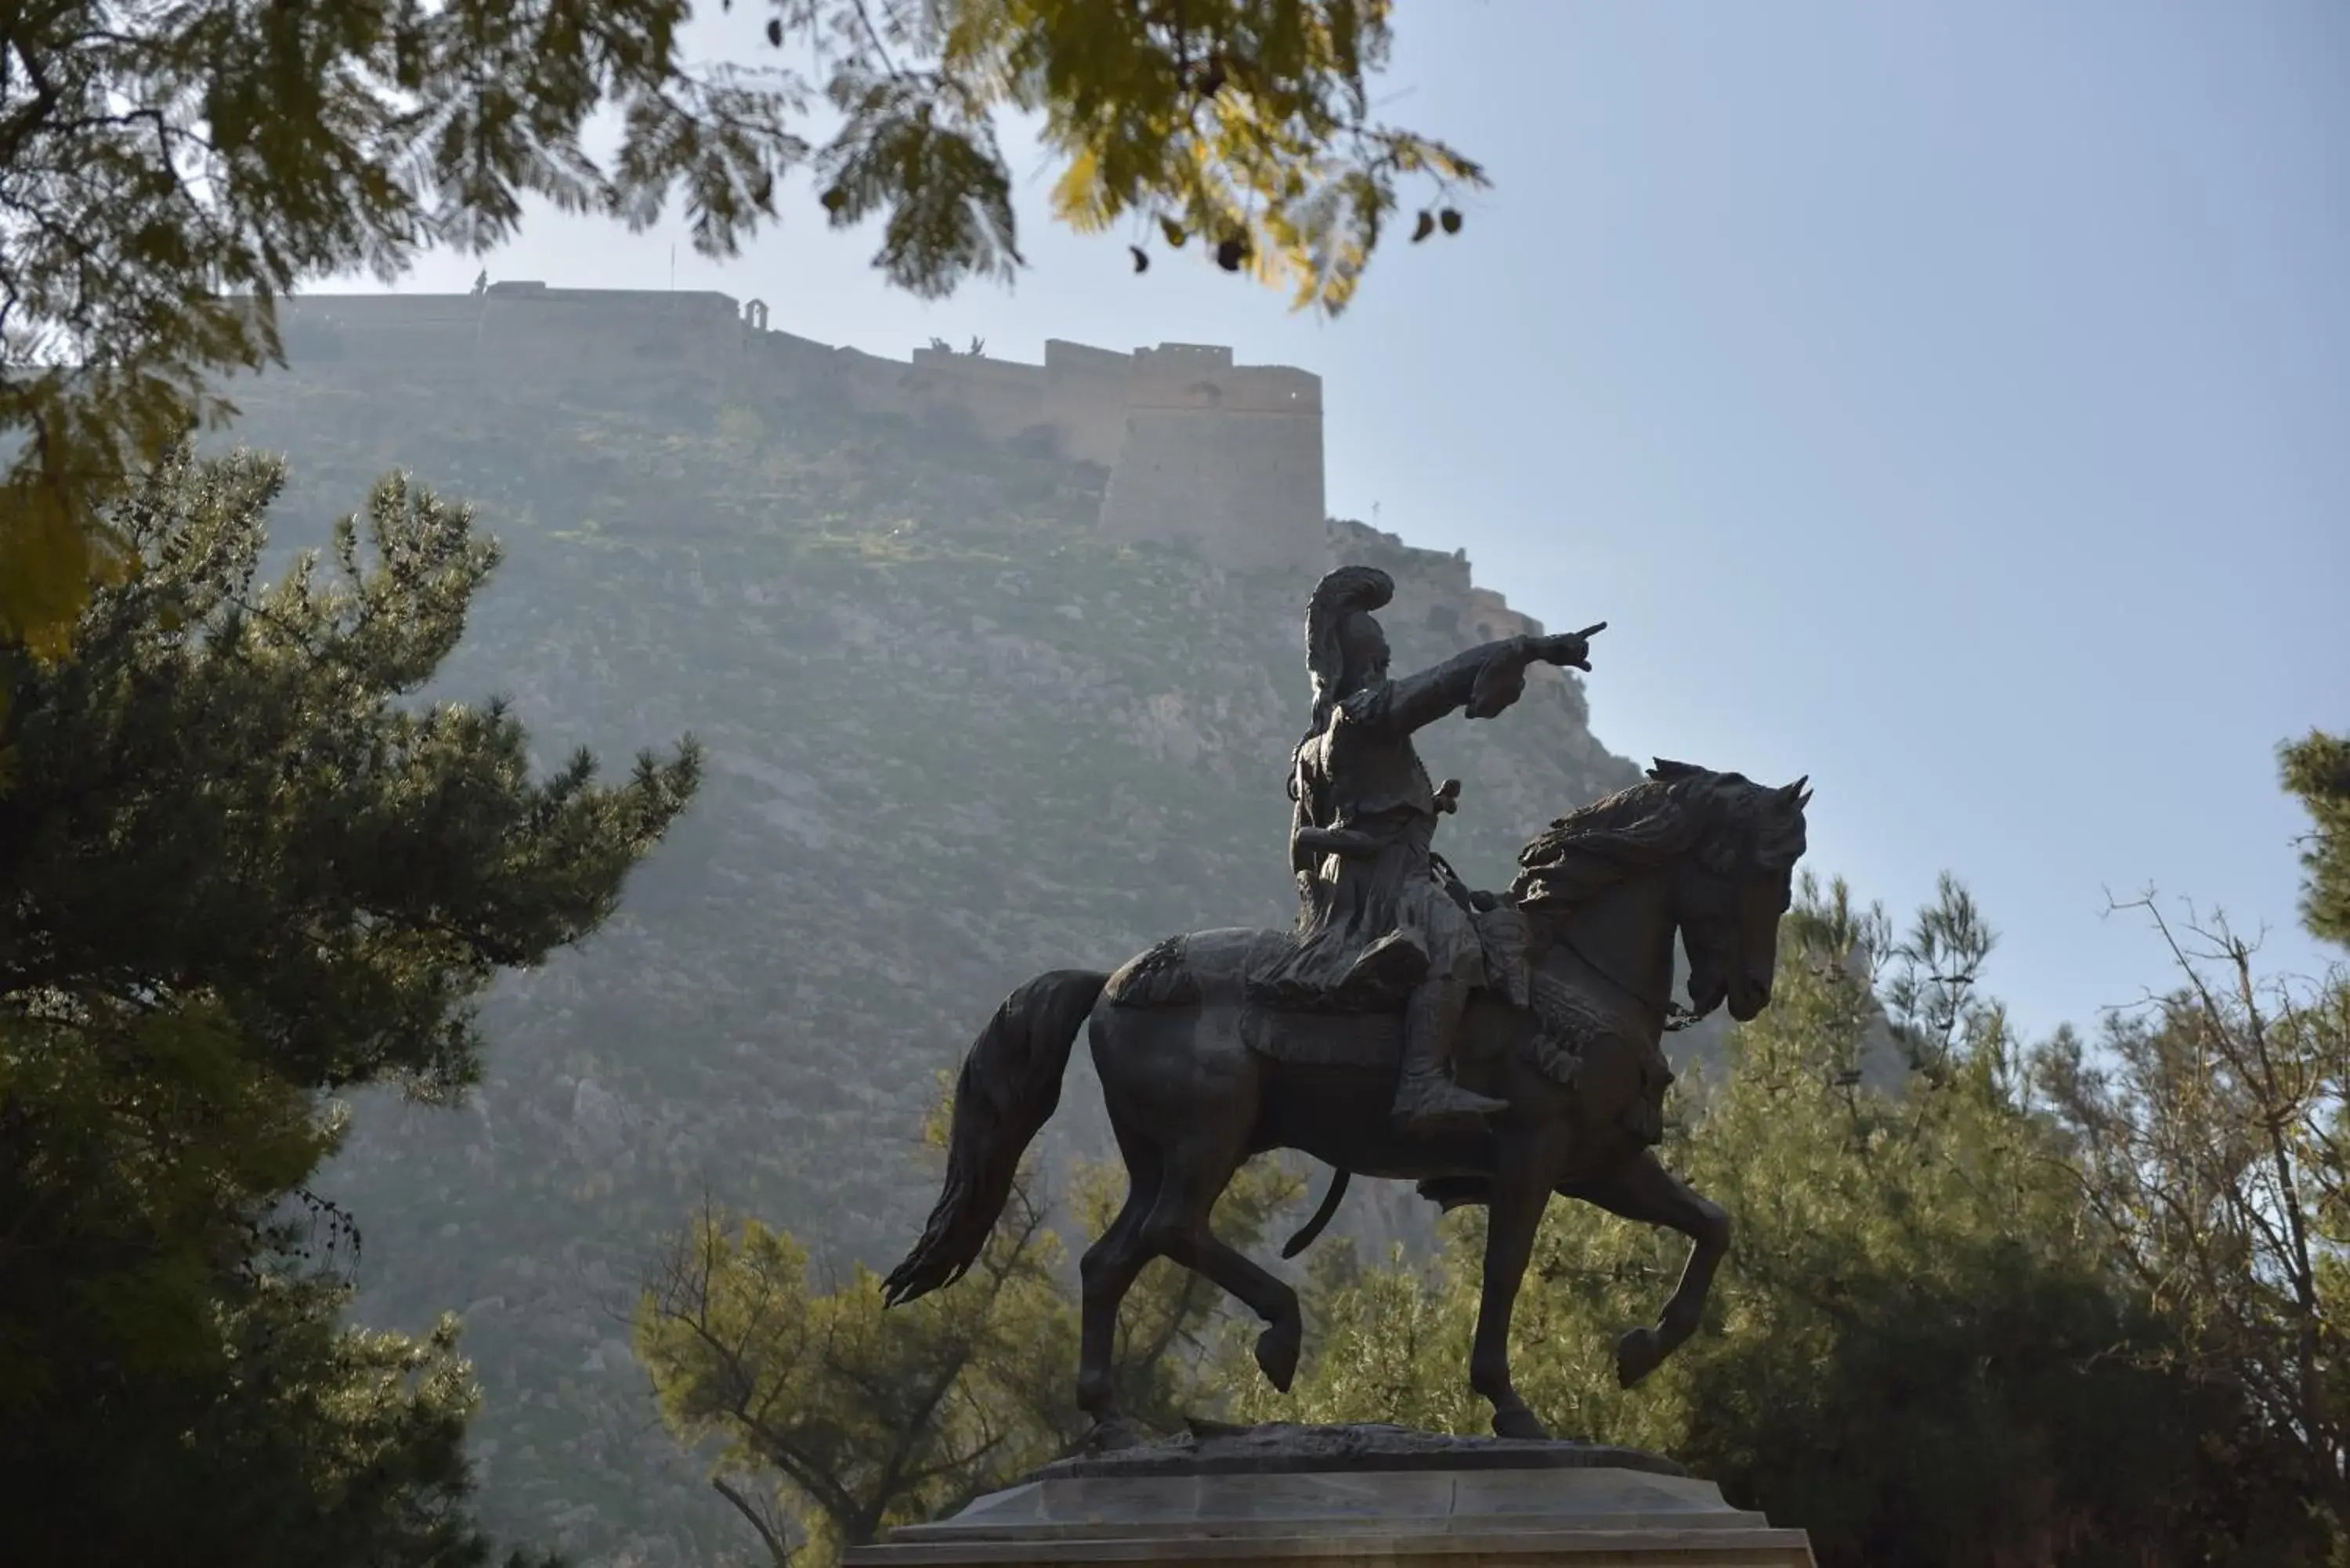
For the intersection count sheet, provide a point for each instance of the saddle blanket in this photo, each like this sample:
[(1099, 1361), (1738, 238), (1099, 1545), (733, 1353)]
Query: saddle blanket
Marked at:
[(1370, 1039), (1206, 968)]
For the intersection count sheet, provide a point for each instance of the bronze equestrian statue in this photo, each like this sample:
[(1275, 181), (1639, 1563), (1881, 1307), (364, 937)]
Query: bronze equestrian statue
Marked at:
[(1219, 1045)]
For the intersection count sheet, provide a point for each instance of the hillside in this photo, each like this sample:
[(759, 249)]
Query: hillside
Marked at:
[(954, 738)]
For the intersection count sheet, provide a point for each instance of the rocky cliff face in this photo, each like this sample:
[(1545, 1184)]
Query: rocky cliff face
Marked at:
[(955, 738)]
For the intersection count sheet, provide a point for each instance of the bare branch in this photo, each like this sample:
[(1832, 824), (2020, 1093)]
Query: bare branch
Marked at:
[(779, 1551)]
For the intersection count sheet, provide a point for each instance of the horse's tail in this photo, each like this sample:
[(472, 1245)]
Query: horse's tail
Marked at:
[(1009, 1087), (1322, 1216)]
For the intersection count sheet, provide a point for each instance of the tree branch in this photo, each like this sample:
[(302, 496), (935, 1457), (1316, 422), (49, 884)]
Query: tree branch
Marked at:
[(778, 1552)]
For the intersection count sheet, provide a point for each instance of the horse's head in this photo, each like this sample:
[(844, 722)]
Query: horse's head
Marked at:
[(1718, 850), (1731, 891)]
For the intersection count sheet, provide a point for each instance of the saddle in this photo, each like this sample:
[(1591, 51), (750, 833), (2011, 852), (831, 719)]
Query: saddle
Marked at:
[(1363, 1029)]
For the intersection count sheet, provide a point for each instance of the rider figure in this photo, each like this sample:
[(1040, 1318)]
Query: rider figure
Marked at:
[(1380, 918)]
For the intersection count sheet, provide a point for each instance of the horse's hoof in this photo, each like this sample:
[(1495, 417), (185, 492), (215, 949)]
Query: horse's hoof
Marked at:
[(1277, 1350), (1112, 1434), (1520, 1424), (1637, 1353)]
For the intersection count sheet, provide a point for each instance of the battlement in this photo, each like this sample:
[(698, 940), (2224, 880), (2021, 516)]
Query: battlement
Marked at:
[(1201, 451)]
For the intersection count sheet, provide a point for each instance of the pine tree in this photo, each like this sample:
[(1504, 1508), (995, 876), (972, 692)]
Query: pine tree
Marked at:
[(2317, 770), (245, 874)]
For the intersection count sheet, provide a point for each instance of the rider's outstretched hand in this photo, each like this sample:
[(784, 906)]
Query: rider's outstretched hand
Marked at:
[(1569, 648)]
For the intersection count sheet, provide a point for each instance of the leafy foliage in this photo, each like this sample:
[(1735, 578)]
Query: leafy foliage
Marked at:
[(223, 774), (2317, 771), (243, 875), (1245, 122), (1920, 1352), (293, 1442), (168, 171), (871, 1418)]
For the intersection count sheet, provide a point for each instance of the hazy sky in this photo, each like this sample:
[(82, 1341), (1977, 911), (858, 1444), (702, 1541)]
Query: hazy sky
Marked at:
[(1951, 402)]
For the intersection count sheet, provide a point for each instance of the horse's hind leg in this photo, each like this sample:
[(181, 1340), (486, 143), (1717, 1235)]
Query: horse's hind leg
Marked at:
[(1195, 1174), (1645, 1192), (1106, 1273)]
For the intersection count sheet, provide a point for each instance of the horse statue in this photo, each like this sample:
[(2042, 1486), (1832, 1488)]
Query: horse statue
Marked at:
[(1201, 1072)]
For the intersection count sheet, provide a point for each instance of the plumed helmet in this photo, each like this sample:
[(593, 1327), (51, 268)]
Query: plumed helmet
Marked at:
[(1348, 591)]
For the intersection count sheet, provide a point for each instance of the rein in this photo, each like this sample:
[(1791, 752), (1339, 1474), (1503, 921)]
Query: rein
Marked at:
[(1675, 1017)]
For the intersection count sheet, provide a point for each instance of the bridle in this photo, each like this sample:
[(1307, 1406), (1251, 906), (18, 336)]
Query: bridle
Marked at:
[(1672, 1017)]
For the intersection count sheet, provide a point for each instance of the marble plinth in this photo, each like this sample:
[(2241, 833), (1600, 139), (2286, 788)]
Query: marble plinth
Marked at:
[(1304, 1497)]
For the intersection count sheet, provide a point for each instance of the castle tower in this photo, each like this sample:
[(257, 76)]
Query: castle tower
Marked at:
[(1225, 459)]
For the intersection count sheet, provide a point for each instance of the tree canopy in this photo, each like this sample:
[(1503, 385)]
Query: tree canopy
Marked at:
[(168, 171), (2204, 1132), (834, 1419), (245, 872)]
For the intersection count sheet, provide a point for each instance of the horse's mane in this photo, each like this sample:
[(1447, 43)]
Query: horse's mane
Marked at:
[(1585, 852)]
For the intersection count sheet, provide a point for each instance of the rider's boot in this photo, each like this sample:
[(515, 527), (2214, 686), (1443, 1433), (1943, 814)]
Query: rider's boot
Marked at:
[(1427, 1100)]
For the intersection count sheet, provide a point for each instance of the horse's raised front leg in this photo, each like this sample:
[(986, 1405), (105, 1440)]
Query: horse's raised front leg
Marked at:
[(1645, 1192), (1514, 1214)]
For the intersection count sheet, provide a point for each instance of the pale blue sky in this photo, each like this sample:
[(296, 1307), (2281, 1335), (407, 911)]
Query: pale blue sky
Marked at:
[(1951, 402)]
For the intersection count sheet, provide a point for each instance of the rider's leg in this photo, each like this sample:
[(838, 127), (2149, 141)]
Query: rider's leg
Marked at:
[(1426, 1099)]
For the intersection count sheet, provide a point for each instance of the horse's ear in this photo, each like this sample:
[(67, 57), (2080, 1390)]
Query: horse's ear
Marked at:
[(1664, 768), (1794, 796)]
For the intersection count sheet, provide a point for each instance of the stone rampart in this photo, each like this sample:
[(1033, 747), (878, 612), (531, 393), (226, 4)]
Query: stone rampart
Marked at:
[(1200, 452)]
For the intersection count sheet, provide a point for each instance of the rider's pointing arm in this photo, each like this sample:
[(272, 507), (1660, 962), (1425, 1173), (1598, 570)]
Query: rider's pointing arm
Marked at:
[(1483, 680)]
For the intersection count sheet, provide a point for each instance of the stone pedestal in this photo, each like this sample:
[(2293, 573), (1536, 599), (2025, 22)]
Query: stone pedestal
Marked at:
[(1318, 1496)]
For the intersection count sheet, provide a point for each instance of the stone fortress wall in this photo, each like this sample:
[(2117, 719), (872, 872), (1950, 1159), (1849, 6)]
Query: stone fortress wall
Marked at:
[(1200, 452)]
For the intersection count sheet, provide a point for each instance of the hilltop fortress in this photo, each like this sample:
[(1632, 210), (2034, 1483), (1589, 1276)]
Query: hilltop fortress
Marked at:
[(1200, 452)]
